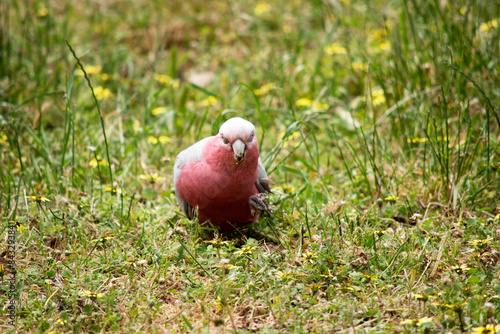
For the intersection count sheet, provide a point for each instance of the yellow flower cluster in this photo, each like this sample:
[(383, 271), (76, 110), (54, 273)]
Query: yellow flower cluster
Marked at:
[(39, 198), (262, 8), (218, 242), (480, 243), (166, 80), (416, 140), (90, 69), (377, 97), (151, 178), (359, 66), (488, 329), (94, 162), (209, 101), (284, 275), (487, 26), (159, 110), (306, 102), (245, 250), (264, 89), (417, 322), (160, 139), (335, 49), (92, 294), (391, 199), (102, 93)]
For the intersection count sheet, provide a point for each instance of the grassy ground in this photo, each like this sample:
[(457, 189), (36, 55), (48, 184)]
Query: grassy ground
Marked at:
[(378, 121)]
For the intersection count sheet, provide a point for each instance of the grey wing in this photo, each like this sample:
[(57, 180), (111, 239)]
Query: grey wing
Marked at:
[(262, 181), (192, 153)]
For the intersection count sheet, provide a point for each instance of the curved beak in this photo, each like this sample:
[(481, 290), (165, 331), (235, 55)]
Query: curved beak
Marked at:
[(239, 150)]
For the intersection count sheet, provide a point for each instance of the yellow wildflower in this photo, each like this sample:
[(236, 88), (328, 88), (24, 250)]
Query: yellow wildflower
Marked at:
[(319, 106), (460, 269), (91, 294), (385, 46), (217, 242), (20, 226), (369, 278), (103, 239), (416, 140), (90, 69), (134, 263), (137, 126), (42, 12), (308, 256), (160, 139), (359, 66), (284, 275), (377, 34), (487, 26), (114, 190), (102, 93), (488, 329), (262, 8), (424, 320), (209, 101), (152, 178), (391, 199), (166, 80), (335, 49), (159, 111), (39, 198), (304, 102), (480, 243), (3, 138), (220, 304), (314, 105), (377, 97), (288, 189), (264, 89), (94, 162), (245, 250)]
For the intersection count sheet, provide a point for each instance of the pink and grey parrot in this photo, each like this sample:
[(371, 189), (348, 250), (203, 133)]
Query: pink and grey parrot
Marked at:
[(223, 177)]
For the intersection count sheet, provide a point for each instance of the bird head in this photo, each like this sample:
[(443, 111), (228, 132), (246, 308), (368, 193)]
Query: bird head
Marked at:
[(237, 135)]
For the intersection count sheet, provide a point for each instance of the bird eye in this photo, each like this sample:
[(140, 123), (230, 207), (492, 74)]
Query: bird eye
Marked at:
[(250, 138), (225, 140)]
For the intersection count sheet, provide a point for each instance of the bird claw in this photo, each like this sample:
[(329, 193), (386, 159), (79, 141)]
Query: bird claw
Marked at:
[(258, 203)]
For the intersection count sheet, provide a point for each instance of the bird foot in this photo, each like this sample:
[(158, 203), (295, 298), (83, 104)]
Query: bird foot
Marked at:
[(258, 203)]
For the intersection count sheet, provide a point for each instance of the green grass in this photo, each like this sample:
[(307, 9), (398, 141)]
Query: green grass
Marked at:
[(377, 120)]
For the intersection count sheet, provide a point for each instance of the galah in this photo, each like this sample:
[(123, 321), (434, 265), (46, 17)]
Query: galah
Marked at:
[(223, 177)]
